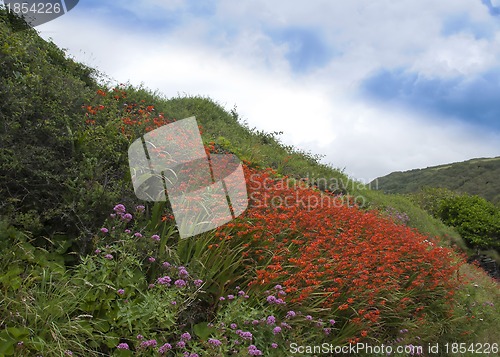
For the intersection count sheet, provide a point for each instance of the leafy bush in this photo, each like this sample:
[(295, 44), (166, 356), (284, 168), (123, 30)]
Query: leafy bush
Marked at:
[(476, 219)]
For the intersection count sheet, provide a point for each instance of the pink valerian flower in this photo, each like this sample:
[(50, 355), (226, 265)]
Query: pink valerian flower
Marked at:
[(138, 235), (140, 208), (290, 314), (151, 259), (276, 330), (183, 273), (148, 343), (271, 320), (180, 283), (123, 346), (186, 336), (309, 317), (181, 344), (120, 291), (166, 264), (127, 217), (274, 345), (108, 256), (120, 209), (230, 297), (271, 299), (104, 230), (246, 335), (214, 342), (254, 351), (97, 251), (198, 282), (164, 348), (128, 231), (165, 280), (155, 237)]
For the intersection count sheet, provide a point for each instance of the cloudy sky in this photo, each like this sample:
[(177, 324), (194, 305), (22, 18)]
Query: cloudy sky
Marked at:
[(375, 86)]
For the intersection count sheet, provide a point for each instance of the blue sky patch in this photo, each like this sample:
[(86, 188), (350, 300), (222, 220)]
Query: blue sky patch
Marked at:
[(462, 23), (494, 10), (306, 48), (474, 100)]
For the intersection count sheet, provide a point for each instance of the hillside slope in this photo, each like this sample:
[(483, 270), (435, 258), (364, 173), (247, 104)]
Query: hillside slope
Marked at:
[(479, 176), (88, 269), (59, 178)]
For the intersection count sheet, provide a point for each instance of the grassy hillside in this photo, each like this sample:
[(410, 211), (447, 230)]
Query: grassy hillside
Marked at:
[(476, 177), (87, 269)]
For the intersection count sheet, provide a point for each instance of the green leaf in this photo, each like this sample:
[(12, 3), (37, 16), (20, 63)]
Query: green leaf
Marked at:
[(203, 331)]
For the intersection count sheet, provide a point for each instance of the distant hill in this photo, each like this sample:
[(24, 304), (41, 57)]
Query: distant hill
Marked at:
[(477, 177)]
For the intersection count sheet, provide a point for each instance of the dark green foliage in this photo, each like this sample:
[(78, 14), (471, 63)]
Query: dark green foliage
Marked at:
[(476, 219), (55, 176), (477, 177)]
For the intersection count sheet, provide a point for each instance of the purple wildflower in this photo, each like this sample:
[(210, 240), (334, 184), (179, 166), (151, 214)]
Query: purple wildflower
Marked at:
[(246, 335), (127, 217), (183, 273), (271, 320), (123, 346), (214, 342), (104, 230), (165, 348), (254, 351), (276, 330), (108, 256), (148, 343), (120, 209), (165, 280), (271, 299), (290, 314), (155, 237), (186, 336), (180, 283)]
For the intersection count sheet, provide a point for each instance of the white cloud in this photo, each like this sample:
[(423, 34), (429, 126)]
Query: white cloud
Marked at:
[(232, 59), (458, 55)]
